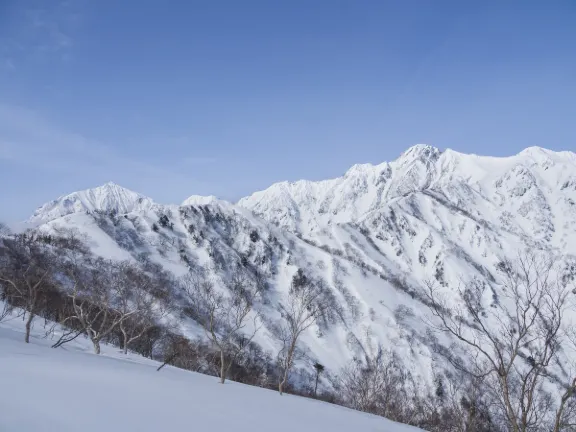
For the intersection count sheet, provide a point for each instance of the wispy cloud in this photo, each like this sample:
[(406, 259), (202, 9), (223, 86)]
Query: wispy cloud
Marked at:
[(29, 139), (48, 26), (44, 32)]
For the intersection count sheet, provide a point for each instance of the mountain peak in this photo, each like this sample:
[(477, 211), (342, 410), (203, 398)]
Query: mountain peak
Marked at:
[(421, 151), (360, 169), (111, 184), (107, 197)]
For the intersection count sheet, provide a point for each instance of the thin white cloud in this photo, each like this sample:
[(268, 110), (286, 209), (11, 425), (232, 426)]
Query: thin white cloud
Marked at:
[(29, 140), (48, 25)]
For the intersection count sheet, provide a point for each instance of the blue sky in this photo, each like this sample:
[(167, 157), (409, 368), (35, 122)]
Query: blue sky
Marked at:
[(226, 97)]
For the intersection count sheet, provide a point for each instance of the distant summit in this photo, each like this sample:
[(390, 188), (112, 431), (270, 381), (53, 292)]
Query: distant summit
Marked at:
[(108, 197)]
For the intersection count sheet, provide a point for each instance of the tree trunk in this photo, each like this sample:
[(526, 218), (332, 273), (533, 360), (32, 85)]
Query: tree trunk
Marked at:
[(124, 338), (568, 394), (96, 343), (287, 366), (167, 361), (284, 380), (470, 425), (316, 385), (29, 326), (222, 368)]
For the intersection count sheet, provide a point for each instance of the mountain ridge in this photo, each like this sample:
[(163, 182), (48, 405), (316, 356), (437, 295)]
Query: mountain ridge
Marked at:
[(126, 200), (373, 237), (365, 188)]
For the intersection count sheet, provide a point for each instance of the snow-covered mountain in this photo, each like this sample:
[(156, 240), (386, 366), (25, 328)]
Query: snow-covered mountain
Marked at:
[(531, 194), (372, 236), (437, 213), (107, 198)]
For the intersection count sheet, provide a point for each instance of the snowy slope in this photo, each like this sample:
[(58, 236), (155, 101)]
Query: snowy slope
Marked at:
[(68, 389), (373, 236), (435, 214)]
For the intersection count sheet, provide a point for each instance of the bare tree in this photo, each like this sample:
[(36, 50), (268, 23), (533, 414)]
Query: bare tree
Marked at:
[(306, 303), (142, 300), (224, 317), (513, 337), (69, 328), (95, 299), (374, 381), (7, 307), (176, 347), (4, 229), (463, 407), (25, 274)]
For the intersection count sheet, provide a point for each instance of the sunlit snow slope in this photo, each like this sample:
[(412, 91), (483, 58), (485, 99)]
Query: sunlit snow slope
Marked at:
[(45, 389)]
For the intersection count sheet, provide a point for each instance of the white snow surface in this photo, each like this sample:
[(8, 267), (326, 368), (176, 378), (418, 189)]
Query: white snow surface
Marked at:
[(71, 389)]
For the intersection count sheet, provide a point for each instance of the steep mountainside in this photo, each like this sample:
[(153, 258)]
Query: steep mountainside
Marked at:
[(433, 213), (373, 237), (532, 194)]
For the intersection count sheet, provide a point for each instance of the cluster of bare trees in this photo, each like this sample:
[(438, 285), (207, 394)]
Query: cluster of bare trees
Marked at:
[(25, 275), (128, 304), (112, 297), (514, 343), (224, 318), (379, 383), (85, 295), (230, 321)]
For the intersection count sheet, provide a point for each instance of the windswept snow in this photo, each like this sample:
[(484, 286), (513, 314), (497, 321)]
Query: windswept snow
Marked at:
[(69, 389)]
